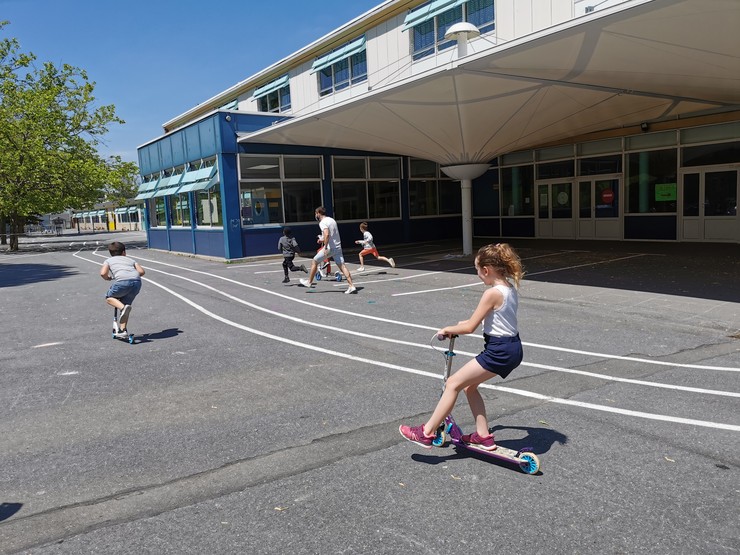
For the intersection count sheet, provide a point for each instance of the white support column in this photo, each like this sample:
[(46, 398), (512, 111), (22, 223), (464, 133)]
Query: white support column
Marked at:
[(466, 173)]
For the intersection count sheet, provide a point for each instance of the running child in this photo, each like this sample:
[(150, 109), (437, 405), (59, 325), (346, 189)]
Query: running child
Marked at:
[(500, 268), (126, 275), (368, 247), (289, 247)]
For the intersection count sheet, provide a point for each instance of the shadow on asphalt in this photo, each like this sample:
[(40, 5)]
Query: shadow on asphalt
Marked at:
[(697, 270), (23, 274), (539, 440), (164, 334), (9, 509)]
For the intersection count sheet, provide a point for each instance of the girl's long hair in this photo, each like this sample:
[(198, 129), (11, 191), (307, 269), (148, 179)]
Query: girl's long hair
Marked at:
[(504, 259)]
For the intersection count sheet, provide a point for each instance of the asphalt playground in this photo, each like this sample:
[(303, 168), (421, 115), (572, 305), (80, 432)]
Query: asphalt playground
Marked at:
[(252, 416)]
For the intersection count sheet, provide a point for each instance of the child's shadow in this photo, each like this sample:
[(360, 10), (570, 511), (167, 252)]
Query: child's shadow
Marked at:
[(164, 334), (539, 440)]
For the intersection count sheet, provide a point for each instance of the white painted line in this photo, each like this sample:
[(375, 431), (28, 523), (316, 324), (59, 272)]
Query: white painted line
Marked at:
[(47, 345), (525, 276), (70, 373), (420, 326), (633, 359), (546, 398)]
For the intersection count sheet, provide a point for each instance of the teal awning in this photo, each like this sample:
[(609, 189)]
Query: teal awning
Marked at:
[(100, 213), (353, 47), (202, 185), (121, 210), (264, 90), (133, 208), (427, 12), (168, 185), (145, 195), (148, 185)]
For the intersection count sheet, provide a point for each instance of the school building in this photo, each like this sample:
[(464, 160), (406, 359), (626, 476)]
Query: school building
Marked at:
[(446, 119)]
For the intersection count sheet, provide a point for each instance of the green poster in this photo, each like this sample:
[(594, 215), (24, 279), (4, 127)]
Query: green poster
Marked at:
[(665, 191)]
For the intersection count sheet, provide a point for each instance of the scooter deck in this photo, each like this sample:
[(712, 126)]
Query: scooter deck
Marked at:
[(525, 460)]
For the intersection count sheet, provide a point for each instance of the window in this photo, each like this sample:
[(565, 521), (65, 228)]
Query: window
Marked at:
[(180, 210), (651, 181), (208, 208), (341, 68), (275, 101), (366, 187), (274, 96), (431, 193), (157, 212), (517, 190), (429, 23), (276, 189)]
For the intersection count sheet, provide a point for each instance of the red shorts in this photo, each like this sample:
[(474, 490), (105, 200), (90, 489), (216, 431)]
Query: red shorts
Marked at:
[(373, 251)]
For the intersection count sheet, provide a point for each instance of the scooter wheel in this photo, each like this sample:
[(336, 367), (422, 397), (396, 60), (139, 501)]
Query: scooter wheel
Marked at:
[(338, 276), (131, 339), (440, 437), (318, 276), (529, 463)]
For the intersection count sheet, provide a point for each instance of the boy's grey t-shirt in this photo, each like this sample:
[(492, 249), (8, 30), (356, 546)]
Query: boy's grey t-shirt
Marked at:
[(122, 268)]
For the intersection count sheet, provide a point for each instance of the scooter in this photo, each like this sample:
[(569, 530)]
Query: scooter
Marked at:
[(524, 458)]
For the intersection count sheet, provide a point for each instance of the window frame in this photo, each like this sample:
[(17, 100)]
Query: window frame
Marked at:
[(277, 180), (439, 25)]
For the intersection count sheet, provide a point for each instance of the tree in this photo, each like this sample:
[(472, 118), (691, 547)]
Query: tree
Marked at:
[(49, 131)]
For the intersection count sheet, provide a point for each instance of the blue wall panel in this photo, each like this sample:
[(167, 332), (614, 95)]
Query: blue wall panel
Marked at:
[(517, 227), (486, 227), (192, 143), (650, 227), (178, 148), (158, 239), (181, 240), (429, 229), (210, 243), (207, 132)]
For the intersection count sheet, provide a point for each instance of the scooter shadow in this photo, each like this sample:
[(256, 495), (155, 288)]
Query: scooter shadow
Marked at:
[(539, 440), (164, 334)]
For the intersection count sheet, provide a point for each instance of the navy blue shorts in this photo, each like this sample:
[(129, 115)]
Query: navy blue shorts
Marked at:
[(125, 290), (501, 354)]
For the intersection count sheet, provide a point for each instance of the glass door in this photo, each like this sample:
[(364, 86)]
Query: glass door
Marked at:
[(709, 205), (598, 209), (555, 210)]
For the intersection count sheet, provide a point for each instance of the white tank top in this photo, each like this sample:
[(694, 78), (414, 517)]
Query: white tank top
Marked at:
[(502, 322)]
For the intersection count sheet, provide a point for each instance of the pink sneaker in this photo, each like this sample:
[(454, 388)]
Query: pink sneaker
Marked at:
[(416, 435), (486, 443)]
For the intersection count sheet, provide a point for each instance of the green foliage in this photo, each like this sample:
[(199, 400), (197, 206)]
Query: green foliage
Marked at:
[(50, 128)]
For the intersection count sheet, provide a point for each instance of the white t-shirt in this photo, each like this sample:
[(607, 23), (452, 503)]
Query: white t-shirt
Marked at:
[(335, 242)]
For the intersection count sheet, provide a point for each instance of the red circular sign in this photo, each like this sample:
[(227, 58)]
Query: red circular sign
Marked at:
[(607, 196)]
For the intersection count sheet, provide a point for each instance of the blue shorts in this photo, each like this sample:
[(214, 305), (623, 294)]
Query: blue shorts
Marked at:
[(501, 354), (125, 290)]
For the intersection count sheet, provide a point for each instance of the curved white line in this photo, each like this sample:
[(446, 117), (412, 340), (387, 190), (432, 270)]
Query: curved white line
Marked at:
[(547, 398), (419, 326)]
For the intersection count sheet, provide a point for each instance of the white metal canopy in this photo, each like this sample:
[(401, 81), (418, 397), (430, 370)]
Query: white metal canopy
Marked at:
[(644, 60)]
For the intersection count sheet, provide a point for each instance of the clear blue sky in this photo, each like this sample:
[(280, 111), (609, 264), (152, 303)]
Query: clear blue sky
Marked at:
[(156, 59)]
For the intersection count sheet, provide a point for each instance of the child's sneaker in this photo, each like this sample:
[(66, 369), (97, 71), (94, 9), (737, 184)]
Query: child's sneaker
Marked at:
[(361, 269), (416, 435), (304, 269), (123, 318), (306, 283), (393, 262), (486, 443), (350, 290), (286, 279)]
